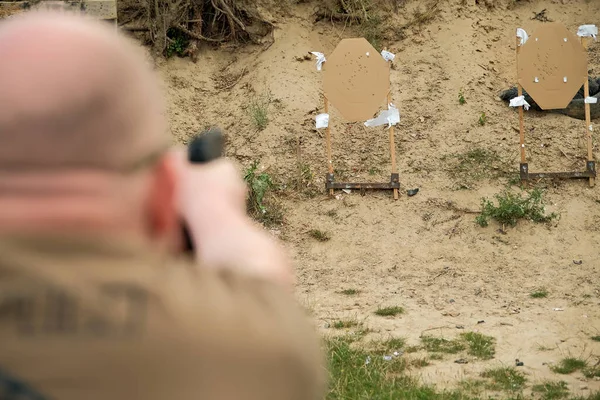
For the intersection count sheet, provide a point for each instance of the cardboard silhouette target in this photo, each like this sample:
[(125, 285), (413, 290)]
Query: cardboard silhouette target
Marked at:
[(357, 82), (356, 79), (552, 66)]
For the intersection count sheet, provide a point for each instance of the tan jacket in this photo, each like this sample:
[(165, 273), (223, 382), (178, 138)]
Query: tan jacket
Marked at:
[(105, 319)]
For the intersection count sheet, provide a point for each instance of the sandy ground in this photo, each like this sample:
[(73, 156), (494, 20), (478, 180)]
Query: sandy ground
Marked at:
[(417, 252)]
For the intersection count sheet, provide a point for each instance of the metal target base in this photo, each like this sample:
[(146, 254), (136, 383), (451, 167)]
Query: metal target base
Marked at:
[(590, 172), (331, 184)]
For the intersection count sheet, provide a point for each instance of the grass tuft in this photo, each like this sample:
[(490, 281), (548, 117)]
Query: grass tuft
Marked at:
[(461, 98), (359, 374), (350, 292), (513, 207), (345, 324), (389, 311), (569, 365), (258, 109), (480, 346), (539, 294), (419, 362), (321, 236), (475, 164), (505, 379), (552, 390), (592, 372), (440, 345), (596, 338), (482, 119)]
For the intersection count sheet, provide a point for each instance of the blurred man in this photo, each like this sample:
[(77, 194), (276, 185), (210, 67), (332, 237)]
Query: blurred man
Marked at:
[(93, 305)]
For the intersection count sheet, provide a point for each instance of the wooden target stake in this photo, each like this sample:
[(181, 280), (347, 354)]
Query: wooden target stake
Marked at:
[(392, 140), (521, 116), (588, 117), (328, 140)]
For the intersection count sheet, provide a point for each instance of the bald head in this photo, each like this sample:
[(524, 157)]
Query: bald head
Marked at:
[(80, 107), (74, 94)]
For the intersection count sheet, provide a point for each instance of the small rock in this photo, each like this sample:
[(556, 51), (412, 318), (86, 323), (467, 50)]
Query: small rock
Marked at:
[(577, 262), (451, 301), (480, 322), (519, 363), (387, 358), (461, 361), (326, 325), (583, 387), (460, 327)]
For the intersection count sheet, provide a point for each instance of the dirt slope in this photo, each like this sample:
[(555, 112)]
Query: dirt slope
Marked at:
[(419, 252)]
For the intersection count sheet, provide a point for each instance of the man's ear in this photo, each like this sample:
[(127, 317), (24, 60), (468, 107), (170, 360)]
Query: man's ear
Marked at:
[(162, 207)]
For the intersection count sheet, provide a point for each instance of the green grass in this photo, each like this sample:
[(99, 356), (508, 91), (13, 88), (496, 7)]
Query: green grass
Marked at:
[(513, 207), (480, 346), (373, 30), (440, 345), (482, 119), (389, 311), (461, 98), (539, 294), (592, 372), (505, 379), (569, 365), (319, 235), (351, 377), (350, 292), (345, 324), (360, 373), (552, 390), (389, 345), (475, 164), (258, 109), (419, 363), (596, 338)]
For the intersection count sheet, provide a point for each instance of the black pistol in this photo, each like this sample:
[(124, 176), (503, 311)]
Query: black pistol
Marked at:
[(204, 148)]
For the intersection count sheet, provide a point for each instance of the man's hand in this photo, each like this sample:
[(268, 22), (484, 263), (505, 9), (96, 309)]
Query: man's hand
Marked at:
[(212, 202)]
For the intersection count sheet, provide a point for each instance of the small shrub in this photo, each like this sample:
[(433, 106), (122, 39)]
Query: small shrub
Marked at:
[(319, 235), (372, 30), (389, 311), (539, 294), (461, 98), (258, 184), (596, 338), (350, 292), (513, 207), (178, 43), (569, 365), (480, 346)]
